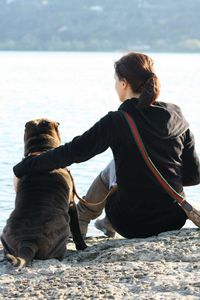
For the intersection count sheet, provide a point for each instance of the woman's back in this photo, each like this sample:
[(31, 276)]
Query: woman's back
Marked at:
[(164, 132), (141, 200)]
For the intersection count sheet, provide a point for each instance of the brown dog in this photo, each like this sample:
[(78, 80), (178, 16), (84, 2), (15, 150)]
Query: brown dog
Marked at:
[(45, 211)]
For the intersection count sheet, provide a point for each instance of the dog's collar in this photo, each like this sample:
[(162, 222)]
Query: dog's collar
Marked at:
[(35, 153)]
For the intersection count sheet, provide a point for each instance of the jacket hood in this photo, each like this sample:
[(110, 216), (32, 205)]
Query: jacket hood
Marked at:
[(164, 120)]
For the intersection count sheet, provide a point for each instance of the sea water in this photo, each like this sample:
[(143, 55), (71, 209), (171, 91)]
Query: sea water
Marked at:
[(77, 89)]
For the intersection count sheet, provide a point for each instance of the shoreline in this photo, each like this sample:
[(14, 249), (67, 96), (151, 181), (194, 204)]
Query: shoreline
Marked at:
[(166, 266)]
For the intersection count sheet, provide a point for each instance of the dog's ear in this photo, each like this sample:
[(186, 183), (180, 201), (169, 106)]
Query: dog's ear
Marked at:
[(56, 124), (56, 130), (29, 124)]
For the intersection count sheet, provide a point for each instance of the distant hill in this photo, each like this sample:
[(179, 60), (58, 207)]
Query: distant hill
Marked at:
[(100, 25)]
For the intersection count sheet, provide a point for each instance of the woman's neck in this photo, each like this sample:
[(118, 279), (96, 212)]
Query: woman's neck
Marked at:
[(129, 95)]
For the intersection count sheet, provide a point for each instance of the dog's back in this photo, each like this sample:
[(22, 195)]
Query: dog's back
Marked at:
[(39, 225), (40, 216)]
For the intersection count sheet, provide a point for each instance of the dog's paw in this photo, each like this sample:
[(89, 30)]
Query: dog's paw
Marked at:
[(81, 246)]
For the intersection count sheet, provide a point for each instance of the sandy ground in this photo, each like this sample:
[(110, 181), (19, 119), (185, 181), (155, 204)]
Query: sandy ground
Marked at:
[(162, 267)]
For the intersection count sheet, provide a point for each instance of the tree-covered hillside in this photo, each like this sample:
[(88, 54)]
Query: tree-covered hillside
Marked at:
[(100, 25)]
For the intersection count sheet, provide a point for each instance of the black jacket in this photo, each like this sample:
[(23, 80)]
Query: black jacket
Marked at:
[(141, 207)]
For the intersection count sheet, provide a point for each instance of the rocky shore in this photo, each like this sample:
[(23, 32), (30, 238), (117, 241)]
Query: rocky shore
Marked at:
[(162, 267)]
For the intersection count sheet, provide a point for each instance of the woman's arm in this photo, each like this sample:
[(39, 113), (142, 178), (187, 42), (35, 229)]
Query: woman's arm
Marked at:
[(191, 165), (94, 141)]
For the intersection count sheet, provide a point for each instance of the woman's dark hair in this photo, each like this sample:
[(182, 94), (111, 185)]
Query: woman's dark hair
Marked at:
[(137, 69)]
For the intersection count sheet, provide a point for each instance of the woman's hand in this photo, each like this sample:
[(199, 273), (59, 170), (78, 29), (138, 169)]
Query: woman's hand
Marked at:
[(46, 161), (21, 169)]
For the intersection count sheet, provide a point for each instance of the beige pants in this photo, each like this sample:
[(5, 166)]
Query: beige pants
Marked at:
[(96, 193)]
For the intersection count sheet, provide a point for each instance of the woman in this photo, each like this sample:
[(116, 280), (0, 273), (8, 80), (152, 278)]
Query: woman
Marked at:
[(140, 207)]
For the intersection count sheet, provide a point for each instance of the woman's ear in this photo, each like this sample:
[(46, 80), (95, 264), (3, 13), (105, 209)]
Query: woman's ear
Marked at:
[(124, 83)]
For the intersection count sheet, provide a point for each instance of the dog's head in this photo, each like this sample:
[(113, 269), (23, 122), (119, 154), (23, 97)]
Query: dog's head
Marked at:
[(41, 135)]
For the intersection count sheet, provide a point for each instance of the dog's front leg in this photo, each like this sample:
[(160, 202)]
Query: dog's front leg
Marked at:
[(75, 229)]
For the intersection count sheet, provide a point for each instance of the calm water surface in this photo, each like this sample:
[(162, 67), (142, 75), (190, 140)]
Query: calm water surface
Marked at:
[(77, 89)]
